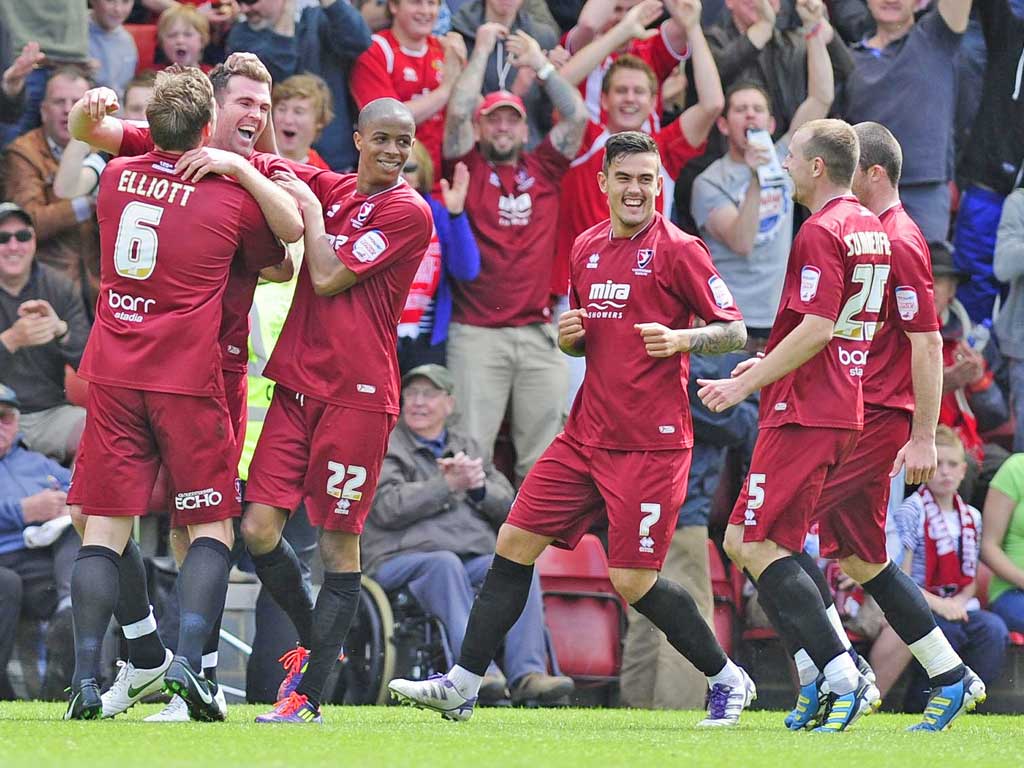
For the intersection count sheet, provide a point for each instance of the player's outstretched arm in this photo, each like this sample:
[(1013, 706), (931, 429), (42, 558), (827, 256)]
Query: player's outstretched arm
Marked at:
[(631, 26), (715, 338), (91, 120), (820, 78), (698, 120), (458, 128), (918, 455), (803, 343)]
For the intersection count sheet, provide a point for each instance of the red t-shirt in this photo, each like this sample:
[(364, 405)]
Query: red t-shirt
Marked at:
[(911, 309), (388, 69), (166, 249), (583, 204), (342, 348), (653, 51), (317, 161), (242, 281), (630, 401), (513, 211), (838, 268)]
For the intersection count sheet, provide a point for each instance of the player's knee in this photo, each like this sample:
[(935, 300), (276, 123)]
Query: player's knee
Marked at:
[(519, 545), (259, 532), (860, 570), (632, 583), (340, 551)]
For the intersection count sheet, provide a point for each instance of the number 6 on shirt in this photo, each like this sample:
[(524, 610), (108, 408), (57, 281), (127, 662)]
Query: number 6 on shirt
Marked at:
[(137, 240)]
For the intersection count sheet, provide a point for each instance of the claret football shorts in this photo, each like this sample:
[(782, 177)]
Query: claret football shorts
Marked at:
[(573, 486)]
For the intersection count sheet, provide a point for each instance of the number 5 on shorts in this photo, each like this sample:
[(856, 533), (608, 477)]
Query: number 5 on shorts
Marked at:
[(351, 488), (755, 491)]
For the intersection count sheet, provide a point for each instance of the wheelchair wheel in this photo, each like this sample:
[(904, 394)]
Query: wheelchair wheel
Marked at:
[(369, 663)]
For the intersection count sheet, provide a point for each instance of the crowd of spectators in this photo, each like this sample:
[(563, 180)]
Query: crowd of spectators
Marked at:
[(513, 101)]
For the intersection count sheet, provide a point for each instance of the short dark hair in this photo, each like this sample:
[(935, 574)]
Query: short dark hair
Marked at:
[(242, 64), (879, 147), (182, 105), (746, 85), (835, 142), (627, 143)]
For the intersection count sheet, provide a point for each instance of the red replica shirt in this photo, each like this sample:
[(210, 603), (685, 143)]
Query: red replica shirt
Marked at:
[(630, 401), (388, 69), (342, 348), (513, 211), (242, 280), (653, 51), (583, 204), (166, 249), (887, 381), (838, 269)]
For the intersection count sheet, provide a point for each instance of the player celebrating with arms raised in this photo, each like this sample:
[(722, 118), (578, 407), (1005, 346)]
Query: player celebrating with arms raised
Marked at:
[(156, 390), (637, 285)]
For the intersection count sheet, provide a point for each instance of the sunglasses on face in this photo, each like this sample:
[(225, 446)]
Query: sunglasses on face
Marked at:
[(22, 236)]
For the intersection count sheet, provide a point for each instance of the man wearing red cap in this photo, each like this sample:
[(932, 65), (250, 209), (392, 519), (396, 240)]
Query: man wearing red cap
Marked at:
[(502, 348)]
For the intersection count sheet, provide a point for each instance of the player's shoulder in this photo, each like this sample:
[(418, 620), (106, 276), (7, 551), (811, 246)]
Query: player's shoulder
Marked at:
[(598, 233), (665, 231)]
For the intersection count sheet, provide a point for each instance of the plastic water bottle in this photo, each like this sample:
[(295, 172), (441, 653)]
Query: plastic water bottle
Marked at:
[(979, 335)]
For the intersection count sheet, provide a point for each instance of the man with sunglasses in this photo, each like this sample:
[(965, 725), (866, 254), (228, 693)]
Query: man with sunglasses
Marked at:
[(44, 329)]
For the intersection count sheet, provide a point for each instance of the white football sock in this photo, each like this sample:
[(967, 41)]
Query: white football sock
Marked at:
[(842, 675), (729, 675), (837, 625), (935, 654), (210, 660), (465, 682), (805, 667), (140, 628)]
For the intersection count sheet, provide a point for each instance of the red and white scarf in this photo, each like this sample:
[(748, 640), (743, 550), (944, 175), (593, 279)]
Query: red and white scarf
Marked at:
[(947, 571)]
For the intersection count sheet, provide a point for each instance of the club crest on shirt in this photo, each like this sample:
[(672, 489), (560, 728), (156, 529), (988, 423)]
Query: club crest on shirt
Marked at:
[(370, 246), (809, 278), (906, 302), (364, 213), (644, 257), (410, 75)]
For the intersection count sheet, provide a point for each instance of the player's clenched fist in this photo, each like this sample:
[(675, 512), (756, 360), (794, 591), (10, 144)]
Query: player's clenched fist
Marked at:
[(100, 102), (571, 330), (660, 340)]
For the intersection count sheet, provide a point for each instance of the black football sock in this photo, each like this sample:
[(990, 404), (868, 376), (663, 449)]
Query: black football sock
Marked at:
[(281, 574), (787, 633), (907, 613), (93, 596), (133, 611), (497, 607), (335, 607), (810, 566), (799, 605), (210, 651), (202, 588), (673, 610)]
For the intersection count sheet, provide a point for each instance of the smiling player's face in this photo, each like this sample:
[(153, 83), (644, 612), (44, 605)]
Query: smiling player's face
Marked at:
[(383, 151), (632, 183), (244, 108)]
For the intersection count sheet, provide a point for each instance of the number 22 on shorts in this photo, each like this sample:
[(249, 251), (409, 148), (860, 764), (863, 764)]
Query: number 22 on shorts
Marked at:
[(349, 491), (755, 497)]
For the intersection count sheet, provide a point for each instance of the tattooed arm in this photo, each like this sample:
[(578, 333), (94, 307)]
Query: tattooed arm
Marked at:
[(458, 127), (567, 136), (713, 339)]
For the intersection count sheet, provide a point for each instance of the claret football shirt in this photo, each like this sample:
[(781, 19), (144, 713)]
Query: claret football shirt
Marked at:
[(838, 269), (166, 249), (629, 400), (342, 348), (911, 309)]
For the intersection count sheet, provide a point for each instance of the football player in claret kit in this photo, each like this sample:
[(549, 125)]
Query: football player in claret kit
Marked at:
[(156, 390), (336, 399), (811, 404), (637, 285), (902, 387)]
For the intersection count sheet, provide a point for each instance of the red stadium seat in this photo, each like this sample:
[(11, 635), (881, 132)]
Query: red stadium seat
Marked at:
[(580, 601), (724, 597), (145, 43)]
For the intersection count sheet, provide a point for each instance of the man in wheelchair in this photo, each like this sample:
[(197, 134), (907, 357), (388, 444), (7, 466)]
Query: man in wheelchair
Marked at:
[(432, 531)]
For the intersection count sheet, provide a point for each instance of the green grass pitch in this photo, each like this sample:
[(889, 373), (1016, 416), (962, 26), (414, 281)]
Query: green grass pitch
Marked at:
[(33, 736)]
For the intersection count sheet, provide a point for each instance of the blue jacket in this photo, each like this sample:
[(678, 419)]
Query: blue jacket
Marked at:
[(24, 473), (460, 260), (326, 42)]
